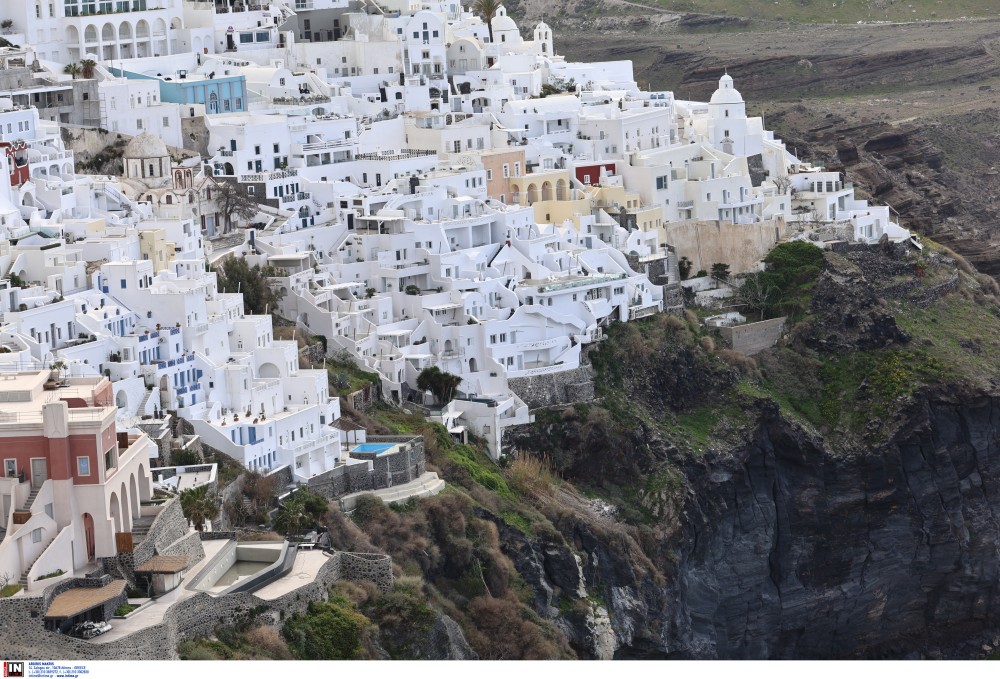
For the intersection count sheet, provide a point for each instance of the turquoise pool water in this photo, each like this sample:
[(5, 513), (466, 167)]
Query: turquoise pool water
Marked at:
[(377, 448)]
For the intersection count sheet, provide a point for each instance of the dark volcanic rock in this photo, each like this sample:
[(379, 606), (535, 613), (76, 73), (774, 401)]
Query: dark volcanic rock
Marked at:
[(848, 313)]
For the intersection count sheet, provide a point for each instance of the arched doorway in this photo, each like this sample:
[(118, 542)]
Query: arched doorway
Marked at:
[(126, 518), (88, 536), (561, 193), (121, 400), (546, 191), (472, 365), (114, 511), (269, 371), (134, 497)]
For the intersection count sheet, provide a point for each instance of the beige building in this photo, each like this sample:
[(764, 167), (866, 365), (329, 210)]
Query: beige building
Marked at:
[(153, 245), (502, 165)]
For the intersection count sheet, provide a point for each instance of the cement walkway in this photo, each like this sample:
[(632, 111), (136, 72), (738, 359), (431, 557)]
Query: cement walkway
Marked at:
[(304, 570), (152, 614), (426, 485)]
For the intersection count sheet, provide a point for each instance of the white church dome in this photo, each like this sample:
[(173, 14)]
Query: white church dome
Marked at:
[(726, 94)]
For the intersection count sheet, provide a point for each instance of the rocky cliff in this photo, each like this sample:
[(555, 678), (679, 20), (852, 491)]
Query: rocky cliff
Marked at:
[(785, 538)]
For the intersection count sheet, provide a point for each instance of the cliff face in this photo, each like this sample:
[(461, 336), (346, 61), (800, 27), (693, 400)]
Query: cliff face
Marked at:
[(787, 549), (794, 551)]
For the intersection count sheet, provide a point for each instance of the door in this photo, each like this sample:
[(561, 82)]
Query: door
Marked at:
[(39, 471), (88, 531)]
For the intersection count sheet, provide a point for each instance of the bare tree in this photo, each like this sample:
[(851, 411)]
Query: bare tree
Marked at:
[(235, 203), (782, 183), (757, 294)]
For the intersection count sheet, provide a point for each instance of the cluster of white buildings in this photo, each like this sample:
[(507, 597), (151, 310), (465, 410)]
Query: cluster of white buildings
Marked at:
[(430, 191)]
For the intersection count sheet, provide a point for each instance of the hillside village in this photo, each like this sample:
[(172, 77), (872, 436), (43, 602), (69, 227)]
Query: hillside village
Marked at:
[(425, 193)]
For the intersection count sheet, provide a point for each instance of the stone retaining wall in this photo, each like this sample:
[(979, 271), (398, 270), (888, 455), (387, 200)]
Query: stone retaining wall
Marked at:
[(402, 466), (568, 386), (24, 636), (753, 338)]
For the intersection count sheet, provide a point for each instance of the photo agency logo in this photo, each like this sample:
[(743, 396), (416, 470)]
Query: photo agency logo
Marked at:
[(13, 668)]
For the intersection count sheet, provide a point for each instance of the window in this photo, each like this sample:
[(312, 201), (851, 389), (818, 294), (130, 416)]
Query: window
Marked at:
[(506, 170), (83, 466), (277, 148), (10, 467), (110, 459), (36, 535), (489, 175), (256, 150), (123, 284), (661, 183)]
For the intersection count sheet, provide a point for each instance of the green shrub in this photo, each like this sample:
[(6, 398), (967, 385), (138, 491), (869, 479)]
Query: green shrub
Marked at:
[(327, 631)]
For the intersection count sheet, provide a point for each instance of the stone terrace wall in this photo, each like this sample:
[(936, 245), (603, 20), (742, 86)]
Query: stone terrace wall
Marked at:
[(189, 545), (568, 386), (402, 466), (753, 338), (23, 636), (168, 527)]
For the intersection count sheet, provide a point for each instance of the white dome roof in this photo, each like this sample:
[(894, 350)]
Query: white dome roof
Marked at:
[(146, 145), (726, 94), (502, 22)]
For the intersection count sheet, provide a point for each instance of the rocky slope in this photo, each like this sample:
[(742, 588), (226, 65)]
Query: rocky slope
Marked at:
[(876, 539)]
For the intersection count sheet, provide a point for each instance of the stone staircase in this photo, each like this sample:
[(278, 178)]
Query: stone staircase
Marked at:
[(142, 405), (140, 529), (23, 580), (31, 498)]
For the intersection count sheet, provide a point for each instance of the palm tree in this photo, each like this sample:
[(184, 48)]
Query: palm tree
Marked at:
[(291, 516), (486, 9), (199, 506), (72, 69), (87, 67)]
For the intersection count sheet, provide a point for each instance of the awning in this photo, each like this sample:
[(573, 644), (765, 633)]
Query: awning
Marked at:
[(81, 599), (164, 564)]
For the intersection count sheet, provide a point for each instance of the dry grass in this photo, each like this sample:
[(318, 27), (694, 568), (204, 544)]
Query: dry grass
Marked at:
[(708, 344), (747, 365), (268, 640), (532, 474)]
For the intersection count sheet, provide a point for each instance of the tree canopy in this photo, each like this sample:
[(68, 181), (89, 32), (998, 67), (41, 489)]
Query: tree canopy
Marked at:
[(441, 384), (199, 506), (235, 275)]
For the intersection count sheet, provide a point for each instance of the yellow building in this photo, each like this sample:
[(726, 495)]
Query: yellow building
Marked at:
[(153, 245), (550, 194)]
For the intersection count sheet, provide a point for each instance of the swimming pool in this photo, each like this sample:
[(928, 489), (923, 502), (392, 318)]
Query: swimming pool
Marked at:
[(377, 448)]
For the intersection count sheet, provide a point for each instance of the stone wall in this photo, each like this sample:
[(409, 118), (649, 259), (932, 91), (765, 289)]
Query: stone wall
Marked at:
[(189, 545), (312, 354), (363, 399), (752, 338), (167, 528), (22, 634), (568, 386), (740, 246), (402, 466)]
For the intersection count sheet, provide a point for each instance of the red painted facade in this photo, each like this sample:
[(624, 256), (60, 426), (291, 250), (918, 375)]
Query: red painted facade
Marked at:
[(17, 158), (591, 174)]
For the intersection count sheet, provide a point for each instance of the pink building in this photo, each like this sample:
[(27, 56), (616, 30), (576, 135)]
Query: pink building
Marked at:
[(70, 480)]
